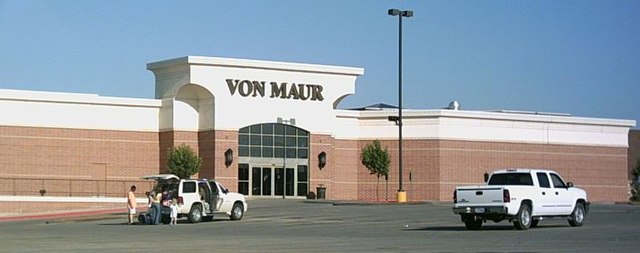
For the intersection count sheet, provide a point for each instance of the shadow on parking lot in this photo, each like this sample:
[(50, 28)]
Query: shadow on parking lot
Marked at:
[(484, 228), (138, 224), (441, 228)]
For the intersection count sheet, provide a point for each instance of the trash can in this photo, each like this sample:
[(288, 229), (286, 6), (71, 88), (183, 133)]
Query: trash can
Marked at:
[(321, 191)]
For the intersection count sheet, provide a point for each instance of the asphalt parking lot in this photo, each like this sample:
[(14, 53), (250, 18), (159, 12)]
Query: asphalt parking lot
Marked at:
[(297, 226)]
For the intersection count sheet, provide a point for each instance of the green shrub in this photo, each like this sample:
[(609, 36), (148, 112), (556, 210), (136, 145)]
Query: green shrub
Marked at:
[(183, 162), (635, 183), (377, 161)]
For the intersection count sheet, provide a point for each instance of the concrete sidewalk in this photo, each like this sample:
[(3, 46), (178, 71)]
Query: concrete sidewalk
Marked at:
[(62, 215), (20, 208)]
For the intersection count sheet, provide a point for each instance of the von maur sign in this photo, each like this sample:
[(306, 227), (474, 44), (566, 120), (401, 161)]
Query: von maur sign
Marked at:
[(251, 88)]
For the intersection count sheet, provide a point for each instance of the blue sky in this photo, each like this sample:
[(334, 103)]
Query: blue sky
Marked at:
[(577, 57)]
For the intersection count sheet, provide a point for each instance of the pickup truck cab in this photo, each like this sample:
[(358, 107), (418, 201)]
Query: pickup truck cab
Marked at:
[(521, 196), (198, 199)]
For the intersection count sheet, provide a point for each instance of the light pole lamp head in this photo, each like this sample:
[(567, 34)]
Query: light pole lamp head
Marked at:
[(394, 12)]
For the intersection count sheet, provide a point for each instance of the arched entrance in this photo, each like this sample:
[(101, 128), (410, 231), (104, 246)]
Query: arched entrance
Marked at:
[(273, 160), (188, 118)]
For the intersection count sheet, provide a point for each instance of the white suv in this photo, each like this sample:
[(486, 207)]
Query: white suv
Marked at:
[(198, 199)]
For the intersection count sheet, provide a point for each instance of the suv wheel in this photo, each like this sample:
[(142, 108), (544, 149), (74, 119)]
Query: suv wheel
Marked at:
[(237, 211), (195, 214)]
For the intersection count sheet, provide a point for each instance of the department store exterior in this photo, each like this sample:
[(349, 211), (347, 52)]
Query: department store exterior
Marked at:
[(272, 129)]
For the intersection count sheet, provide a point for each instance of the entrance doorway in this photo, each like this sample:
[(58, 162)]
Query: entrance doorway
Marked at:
[(273, 160), (284, 182), (271, 181)]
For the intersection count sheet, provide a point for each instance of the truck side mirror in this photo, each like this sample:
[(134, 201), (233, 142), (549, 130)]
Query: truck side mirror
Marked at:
[(486, 176), (569, 184)]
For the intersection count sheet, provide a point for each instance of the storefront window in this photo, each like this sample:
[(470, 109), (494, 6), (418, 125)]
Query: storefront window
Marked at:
[(269, 140)]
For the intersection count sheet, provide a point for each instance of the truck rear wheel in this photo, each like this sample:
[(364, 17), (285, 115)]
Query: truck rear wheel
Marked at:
[(523, 218), (577, 217), (472, 222)]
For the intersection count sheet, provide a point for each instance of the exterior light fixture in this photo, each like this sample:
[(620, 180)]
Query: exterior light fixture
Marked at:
[(228, 157), (322, 159)]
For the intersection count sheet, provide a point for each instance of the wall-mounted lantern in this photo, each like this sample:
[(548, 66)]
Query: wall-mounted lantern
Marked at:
[(322, 159), (228, 157)]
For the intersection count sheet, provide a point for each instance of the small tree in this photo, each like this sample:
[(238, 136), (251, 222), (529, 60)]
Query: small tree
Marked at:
[(635, 184), (376, 160), (183, 162)]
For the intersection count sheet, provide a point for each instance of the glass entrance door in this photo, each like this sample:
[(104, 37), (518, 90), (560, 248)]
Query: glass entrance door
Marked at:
[(285, 182), (269, 181), (261, 181)]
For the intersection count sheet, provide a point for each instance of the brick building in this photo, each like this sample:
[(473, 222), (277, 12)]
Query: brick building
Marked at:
[(246, 119)]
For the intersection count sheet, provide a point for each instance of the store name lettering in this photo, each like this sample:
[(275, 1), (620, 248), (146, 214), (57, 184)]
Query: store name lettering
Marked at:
[(248, 88)]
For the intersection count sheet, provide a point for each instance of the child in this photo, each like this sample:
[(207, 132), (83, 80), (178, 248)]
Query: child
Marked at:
[(174, 211)]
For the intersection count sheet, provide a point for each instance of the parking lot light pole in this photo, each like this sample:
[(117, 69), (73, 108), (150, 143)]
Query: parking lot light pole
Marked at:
[(402, 195)]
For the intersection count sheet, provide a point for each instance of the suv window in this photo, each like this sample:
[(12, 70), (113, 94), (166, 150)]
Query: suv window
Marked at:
[(189, 187), (214, 189), (166, 185), (543, 180), (557, 181), (511, 179)]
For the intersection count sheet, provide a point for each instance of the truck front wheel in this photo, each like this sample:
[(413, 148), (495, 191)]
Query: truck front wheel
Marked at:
[(472, 222), (523, 218), (577, 217)]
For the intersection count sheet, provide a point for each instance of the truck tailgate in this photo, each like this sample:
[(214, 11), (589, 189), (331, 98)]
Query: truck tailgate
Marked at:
[(479, 195)]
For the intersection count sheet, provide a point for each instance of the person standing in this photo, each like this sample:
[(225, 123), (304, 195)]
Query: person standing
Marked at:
[(174, 211), (131, 203), (157, 207)]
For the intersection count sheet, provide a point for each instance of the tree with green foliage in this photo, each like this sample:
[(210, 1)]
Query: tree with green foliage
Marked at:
[(183, 161), (377, 161), (635, 184)]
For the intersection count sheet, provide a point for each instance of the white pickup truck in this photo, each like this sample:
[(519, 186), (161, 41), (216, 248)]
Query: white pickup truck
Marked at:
[(521, 196)]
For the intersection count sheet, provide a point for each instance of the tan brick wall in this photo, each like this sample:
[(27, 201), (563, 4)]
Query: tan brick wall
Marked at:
[(228, 176), (31, 152), (598, 170), (338, 175), (207, 152), (432, 168), (435, 167)]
